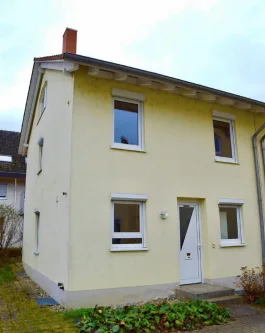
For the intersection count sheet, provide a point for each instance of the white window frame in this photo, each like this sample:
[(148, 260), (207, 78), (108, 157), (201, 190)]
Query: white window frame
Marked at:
[(140, 146), (37, 231), (238, 205), (118, 198), (5, 158), (4, 198), (43, 99), (40, 155), (231, 123)]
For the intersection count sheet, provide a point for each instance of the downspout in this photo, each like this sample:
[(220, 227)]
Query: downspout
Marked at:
[(15, 194), (259, 191)]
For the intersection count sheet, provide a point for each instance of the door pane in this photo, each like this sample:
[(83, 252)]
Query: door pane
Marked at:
[(185, 214), (126, 123), (222, 138)]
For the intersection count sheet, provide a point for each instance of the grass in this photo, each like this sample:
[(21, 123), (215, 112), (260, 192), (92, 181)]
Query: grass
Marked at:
[(20, 313), (6, 274), (74, 314)]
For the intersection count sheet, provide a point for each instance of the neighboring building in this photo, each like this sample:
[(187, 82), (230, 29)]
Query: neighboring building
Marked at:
[(12, 171), (136, 182)]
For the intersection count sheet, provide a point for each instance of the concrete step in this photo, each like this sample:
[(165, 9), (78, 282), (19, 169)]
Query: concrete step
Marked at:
[(203, 291), (223, 300)]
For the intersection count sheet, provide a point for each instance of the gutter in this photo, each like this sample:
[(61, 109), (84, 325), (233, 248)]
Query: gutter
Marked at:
[(259, 190), (12, 174)]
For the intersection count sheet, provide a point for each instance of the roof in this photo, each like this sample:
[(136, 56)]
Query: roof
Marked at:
[(70, 62), (9, 142), (150, 75)]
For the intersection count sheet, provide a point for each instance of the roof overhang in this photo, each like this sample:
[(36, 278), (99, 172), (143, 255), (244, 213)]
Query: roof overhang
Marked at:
[(69, 63), (17, 175)]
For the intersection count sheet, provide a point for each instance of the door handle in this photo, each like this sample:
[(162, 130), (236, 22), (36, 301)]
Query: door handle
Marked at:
[(199, 246)]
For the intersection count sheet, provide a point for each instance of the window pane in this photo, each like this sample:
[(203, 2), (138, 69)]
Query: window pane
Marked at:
[(222, 139), (127, 241), (126, 217), (126, 123), (228, 220), (5, 158), (3, 190)]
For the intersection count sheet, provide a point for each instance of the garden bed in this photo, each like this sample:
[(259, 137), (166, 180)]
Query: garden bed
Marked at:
[(164, 316)]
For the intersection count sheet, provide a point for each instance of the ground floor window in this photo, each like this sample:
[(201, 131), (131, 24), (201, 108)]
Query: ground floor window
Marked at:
[(127, 224), (3, 191), (37, 231), (230, 224)]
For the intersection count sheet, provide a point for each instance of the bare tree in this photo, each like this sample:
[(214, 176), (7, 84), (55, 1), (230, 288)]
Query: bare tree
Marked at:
[(11, 227)]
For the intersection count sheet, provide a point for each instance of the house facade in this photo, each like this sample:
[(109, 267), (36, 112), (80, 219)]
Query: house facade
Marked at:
[(12, 171), (136, 182)]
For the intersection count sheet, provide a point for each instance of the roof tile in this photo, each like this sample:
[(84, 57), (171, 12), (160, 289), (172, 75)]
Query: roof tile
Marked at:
[(9, 142)]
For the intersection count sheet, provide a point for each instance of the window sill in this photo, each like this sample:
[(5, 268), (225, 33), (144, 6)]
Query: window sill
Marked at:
[(128, 249), (36, 253), (127, 147), (39, 171), (3, 198), (226, 160), (233, 245)]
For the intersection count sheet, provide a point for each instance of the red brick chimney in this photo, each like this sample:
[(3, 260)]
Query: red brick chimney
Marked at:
[(69, 40)]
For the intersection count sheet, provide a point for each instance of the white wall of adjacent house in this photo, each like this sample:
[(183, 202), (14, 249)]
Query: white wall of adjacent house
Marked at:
[(15, 189)]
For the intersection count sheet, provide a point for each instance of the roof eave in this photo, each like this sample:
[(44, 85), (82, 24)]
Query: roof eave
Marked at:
[(87, 61), (28, 112)]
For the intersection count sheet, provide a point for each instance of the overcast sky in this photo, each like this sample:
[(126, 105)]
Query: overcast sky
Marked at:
[(218, 43)]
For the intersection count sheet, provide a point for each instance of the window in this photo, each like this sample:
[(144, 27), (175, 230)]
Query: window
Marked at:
[(127, 224), (224, 140), (37, 231), (5, 158), (127, 120), (230, 224), (43, 99), (40, 144), (3, 191)]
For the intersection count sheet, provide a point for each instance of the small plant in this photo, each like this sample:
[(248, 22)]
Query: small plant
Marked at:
[(253, 283), (152, 317)]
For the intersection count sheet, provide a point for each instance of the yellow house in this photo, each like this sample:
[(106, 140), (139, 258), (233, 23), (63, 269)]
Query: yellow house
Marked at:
[(136, 182)]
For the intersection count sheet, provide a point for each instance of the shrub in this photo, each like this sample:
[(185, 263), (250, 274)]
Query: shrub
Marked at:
[(152, 317), (11, 227), (253, 283)]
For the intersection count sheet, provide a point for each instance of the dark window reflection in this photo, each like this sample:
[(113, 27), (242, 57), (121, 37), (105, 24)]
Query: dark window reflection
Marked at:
[(126, 123)]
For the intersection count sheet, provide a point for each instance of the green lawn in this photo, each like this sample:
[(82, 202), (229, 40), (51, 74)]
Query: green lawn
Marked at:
[(19, 313)]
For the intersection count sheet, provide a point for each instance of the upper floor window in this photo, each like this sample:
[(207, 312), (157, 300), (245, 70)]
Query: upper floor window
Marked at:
[(224, 139), (40, 144), (127, 122), (43, 99), (3, 191), (5, 158)]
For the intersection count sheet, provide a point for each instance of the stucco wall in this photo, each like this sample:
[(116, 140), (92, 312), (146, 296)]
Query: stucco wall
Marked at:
[(178, 163), (45, 191)]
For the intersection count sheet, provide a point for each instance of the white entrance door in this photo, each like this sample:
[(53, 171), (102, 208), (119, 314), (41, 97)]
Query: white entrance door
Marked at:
[(190, 243)]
